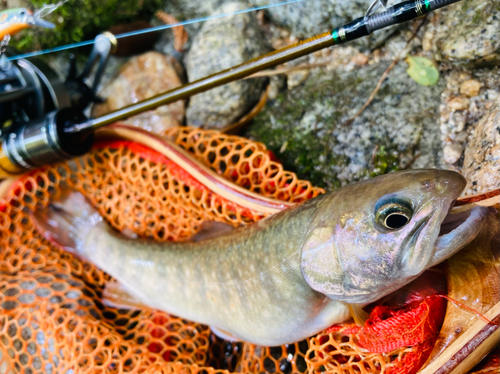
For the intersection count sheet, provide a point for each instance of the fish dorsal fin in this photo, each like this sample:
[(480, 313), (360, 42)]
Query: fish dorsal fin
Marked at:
[(115, 295), (357, 313)]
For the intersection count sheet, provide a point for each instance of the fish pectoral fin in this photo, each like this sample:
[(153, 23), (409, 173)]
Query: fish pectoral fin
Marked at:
[(115, 295), (358, 314), (223, 334)]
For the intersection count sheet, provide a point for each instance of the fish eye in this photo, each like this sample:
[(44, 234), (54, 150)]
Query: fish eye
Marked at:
[(394, 214), (22, 12)]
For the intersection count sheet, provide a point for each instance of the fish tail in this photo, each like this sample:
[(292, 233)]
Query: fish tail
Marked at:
[(67, 222)]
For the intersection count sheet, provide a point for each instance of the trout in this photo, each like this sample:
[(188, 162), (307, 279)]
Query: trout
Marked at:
[(290, 275)]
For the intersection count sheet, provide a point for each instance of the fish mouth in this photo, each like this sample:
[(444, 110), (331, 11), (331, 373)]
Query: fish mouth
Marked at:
[(456, 231), (412, 260)]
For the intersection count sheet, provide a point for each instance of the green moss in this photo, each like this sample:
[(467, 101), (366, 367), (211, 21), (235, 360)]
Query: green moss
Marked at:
[(385, 161), (77, 20), (297, 155), (305, 127), (481, 10)]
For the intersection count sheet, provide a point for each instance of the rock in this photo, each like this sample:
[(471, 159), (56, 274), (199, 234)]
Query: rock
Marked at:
[(306, 20), (296, 78), (482, 155), (360, 59), (304, 127), (459, 103), (222, 44), (185, 11), (457, 121), (467, 98), (452, 153), (470, 87), (189, 10), (111, 70), (461, 137), (141, 78), (277, 83), (467, 32)]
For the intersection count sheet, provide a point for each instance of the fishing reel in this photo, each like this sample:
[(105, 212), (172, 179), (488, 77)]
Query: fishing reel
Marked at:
[(35, 105)]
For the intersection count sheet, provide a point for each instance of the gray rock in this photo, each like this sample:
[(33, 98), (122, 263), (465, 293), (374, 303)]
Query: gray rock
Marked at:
[(188, 10), (469, 95), (221, 44), (304, 127), (452, 153), (467, 33), (482, 155), (185, 11), (306, 19)]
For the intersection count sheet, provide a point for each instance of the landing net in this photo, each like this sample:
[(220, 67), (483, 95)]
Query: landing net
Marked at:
[(52, 318)]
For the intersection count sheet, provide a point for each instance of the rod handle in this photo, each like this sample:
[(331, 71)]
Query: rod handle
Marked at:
[(7, 168)]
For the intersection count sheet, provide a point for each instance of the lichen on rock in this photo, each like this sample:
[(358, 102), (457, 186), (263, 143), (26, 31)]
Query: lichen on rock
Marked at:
[(468, 96), (482, 155), (306, 20), (466, 33), (305, 127)]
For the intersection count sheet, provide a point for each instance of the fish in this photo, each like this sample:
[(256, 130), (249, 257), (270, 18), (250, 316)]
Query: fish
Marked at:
[(292, 274)]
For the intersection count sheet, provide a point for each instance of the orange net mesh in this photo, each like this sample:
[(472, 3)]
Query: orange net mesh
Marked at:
[(244, 162), (53, 321)]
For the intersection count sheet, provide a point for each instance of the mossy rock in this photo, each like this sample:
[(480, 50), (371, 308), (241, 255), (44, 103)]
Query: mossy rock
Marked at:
[(305, 127), (467, 34), (77, 20)]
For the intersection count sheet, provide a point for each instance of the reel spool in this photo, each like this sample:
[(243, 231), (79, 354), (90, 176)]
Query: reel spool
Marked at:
[(35, 105), (29, 89)]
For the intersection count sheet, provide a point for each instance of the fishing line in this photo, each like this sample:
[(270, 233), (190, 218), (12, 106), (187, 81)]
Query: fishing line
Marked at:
[(460, 305), (151, 29)]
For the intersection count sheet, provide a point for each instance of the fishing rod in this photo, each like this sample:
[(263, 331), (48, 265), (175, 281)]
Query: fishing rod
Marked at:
[(66, 133), (143, 31)]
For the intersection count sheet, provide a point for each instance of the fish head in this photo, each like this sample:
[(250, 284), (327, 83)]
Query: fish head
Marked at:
[(369, 239)]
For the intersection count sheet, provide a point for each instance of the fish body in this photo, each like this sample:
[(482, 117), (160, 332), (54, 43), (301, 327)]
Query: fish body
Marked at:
[(242, 282), (291, 275)]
